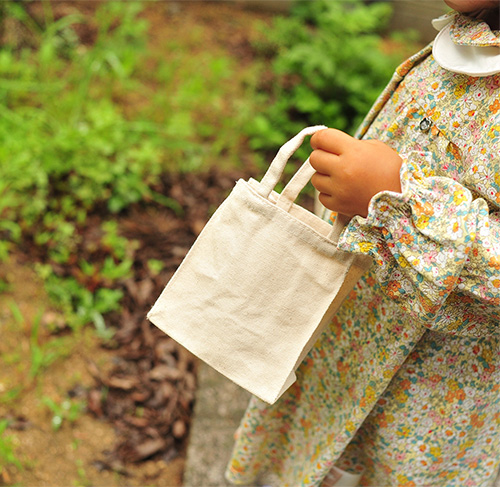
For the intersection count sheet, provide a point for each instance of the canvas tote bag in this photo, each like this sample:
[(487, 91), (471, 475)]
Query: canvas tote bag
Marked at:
[(260, 283)]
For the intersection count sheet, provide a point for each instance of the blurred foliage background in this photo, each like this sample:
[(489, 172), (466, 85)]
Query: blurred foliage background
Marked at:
[(94, 115)]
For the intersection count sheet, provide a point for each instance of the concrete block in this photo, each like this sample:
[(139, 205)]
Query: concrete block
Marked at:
[(220, 405)]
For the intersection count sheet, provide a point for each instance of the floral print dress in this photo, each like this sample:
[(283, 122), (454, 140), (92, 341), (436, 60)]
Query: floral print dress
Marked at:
[(405, 383)]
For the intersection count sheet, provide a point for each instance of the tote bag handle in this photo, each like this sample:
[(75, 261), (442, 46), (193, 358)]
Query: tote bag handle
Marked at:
[(298, 181), (295, 186), (275, 171)]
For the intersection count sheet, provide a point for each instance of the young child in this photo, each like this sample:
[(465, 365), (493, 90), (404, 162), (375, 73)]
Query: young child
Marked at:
[(404, 386)]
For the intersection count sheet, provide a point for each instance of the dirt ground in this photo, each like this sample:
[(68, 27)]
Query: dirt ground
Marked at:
[(73, 454), (39, 368)]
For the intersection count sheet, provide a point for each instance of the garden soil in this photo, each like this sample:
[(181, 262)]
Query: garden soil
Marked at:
[(76, 453), (129, 399)]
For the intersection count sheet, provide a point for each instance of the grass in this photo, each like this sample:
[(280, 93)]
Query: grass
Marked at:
[(64, 411), (8, 454), (88, 128), (42, 351)]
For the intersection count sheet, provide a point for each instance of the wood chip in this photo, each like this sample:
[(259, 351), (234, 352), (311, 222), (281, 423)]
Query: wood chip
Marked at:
[(135, 421), (179, 429), (94, 402), (125, 383), (164, 372), (148, 448)]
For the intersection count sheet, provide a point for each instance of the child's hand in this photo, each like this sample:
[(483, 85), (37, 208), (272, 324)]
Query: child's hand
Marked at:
[(349, 172)]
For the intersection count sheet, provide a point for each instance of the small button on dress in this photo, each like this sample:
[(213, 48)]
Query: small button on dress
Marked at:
[(425, 125)]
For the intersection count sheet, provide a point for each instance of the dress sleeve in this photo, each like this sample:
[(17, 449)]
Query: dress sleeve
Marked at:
[(437, 251)]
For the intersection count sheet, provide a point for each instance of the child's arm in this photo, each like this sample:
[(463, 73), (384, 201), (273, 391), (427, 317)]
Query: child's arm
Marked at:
[(437, 249)]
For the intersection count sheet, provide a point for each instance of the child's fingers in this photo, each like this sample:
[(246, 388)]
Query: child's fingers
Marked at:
[(322, 161), (322, 183), (328, 201), (331, 140)]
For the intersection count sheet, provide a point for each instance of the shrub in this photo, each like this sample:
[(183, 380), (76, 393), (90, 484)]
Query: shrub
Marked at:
[(328, 66)]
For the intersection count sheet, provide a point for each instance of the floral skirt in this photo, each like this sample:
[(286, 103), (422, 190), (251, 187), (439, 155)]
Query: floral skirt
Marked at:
[(381, 394)]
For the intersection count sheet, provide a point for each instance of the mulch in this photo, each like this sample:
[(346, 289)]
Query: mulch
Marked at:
[(148, 391), (148, 394)]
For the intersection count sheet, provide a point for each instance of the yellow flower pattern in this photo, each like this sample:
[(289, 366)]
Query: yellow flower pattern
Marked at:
[(405, 383)]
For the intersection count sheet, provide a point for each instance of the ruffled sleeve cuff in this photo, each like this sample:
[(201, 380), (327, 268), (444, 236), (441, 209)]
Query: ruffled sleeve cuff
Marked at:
[(420, 237), (389, 211)]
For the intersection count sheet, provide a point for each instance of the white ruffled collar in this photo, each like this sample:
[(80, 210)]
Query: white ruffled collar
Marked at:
[(467, 46)]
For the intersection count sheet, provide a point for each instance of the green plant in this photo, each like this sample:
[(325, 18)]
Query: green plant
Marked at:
[(66, 410), (83, 480), (43, 354), (66, 149), (69, 147), (16, 313), (328, 66), (11, 395), (76, 148), (155, 266), (8, 455), (79, 304)]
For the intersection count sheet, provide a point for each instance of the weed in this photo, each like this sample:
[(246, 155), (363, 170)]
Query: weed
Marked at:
[(16, 313), (83, 480), (43, 354), (8, 455), (11, 395), (79, 304), (68, 147), (66, 410), (155, 266), (4, 285)]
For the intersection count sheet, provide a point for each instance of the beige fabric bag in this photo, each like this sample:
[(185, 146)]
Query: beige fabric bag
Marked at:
[(260, 283)]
